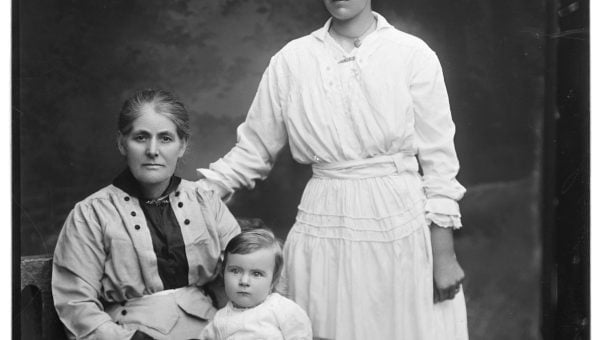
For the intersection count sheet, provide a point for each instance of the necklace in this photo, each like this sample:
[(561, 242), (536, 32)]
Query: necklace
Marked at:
[(158, 201), (357, 41)]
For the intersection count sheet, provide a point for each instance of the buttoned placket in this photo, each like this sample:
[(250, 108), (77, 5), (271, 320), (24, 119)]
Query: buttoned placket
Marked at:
[(186, 221), (180, 205), (349, 78), (140, 236), (123, 310), (133, 213), (336, 80), (177, 205)]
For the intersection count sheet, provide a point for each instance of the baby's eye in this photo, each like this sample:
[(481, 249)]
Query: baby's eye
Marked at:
[(234, 270), (258, 274)]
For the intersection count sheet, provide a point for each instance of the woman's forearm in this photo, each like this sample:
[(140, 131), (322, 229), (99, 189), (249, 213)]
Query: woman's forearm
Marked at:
[(442, 241)]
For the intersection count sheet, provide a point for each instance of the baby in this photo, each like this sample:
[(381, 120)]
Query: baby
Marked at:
[(251, 267)]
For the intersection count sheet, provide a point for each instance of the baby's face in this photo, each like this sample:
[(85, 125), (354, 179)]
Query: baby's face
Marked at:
[(249, 277)]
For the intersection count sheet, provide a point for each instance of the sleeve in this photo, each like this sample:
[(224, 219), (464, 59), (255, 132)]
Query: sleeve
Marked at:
[(77, 271), (259, 138), (293, 322), (227, 224), (434, 130)]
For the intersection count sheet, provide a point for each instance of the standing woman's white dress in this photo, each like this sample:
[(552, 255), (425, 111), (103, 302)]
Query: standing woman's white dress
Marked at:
[(358, 259)]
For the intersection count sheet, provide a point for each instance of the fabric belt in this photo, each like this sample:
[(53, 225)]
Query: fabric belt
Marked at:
[(378, 166)]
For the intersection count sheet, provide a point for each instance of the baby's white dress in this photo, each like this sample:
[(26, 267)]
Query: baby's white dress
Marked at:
[(277, 318)]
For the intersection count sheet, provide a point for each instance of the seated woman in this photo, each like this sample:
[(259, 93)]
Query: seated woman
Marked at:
[(132, 258)]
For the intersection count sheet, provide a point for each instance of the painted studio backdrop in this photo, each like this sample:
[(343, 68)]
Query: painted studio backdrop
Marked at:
[(80, 59)]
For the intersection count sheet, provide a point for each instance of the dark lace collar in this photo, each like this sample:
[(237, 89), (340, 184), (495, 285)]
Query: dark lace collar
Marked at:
[(126, 182)]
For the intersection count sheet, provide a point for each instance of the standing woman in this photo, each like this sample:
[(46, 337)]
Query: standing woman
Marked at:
[(132, 258), (371, 253)]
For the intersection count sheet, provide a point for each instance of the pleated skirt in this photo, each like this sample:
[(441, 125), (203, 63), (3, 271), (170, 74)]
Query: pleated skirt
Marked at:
[(359, 261)]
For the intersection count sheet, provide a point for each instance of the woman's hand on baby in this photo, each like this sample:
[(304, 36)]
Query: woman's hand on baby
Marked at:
[(447, 277)]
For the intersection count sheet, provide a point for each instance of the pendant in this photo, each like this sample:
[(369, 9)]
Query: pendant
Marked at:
[(357, 43), (347, 59)]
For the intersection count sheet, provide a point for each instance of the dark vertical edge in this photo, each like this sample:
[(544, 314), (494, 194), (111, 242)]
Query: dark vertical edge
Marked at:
[(548, 175), (572, 171), (15, 171), (567, 221), (586, 130)]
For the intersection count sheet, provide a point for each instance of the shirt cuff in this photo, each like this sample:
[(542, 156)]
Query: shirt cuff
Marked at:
[(444, 212), (444, 221)]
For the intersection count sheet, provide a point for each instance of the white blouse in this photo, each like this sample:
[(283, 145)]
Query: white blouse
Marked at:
[(387, 97)]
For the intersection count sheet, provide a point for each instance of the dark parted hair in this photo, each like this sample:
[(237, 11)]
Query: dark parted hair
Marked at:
[(253, 240), (163, 102)]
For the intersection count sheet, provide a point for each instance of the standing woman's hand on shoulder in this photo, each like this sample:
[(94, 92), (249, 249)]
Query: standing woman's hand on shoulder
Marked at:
[(220, 189)]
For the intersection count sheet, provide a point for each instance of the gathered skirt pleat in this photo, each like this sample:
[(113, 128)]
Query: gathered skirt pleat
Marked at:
[(358, 260)]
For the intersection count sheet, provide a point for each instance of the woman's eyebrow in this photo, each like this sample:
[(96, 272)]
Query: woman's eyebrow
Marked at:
[(164, 132), (140, 131)]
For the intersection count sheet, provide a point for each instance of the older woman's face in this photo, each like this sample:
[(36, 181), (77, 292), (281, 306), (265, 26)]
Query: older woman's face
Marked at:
[(152, 149)]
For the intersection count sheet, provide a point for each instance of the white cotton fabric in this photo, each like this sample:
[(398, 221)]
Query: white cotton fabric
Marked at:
[(277, 318), (358, 258)]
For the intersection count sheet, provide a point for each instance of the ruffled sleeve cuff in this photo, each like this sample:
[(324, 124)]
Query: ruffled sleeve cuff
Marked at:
[(444, 212), (444, 221)]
